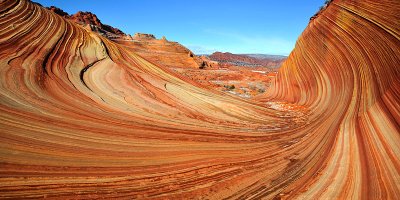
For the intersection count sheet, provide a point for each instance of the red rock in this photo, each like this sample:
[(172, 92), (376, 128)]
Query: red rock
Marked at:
[(86, 117), (58, 11), (88, 18)]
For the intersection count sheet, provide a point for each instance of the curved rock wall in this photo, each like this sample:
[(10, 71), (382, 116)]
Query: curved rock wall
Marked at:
[(83, 117), (345, 70)]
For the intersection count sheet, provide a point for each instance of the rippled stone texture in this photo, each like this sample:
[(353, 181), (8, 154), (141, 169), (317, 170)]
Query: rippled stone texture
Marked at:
[(83, 117)]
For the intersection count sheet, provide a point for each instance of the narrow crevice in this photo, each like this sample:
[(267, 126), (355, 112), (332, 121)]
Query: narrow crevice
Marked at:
[(81, 74), (107, 51)]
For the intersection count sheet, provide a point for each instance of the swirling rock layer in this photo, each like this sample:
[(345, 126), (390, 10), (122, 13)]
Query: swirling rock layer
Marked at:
[(83, 117)]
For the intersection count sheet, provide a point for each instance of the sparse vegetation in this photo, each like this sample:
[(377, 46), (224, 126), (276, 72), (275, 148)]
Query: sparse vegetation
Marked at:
[(203, 65), (326, 3), (230, 87)]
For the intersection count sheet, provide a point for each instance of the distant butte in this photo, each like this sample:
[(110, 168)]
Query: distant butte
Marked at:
[(249, 60)]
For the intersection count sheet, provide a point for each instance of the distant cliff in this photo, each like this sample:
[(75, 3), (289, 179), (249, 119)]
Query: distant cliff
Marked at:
[(249, 60)]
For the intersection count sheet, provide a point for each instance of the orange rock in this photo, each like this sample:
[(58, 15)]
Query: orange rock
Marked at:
[(82, 116)]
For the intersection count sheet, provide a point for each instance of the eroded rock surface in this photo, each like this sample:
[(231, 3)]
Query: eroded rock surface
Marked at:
[(82, 116)]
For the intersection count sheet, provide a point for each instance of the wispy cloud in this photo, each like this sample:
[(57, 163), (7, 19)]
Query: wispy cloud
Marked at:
[(200, 49)]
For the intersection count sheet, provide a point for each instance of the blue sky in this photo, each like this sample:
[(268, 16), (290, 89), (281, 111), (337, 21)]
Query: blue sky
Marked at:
[(251, 26)]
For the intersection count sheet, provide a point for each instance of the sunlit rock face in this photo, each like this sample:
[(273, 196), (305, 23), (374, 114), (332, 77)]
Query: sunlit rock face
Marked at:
[(84, 117), (345, 70)]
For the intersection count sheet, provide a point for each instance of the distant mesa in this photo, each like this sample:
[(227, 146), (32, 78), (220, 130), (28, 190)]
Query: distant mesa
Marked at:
[(144, 36), (248, 60)]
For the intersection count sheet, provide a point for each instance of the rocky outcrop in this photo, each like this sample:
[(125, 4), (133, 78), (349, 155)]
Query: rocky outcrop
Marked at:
[(84, 117), (144, 36), (59, 11), (90, 20), (86, 18), (162, 52)]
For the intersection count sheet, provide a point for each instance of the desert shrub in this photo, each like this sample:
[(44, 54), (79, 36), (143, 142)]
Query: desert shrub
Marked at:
[(229, 87)]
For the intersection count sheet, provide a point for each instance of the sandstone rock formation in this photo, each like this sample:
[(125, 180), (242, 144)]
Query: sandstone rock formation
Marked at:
[(176, 58), (84, 117), (144, 36), (59, 11), (161, 52), (172, 55), (90, 20)]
